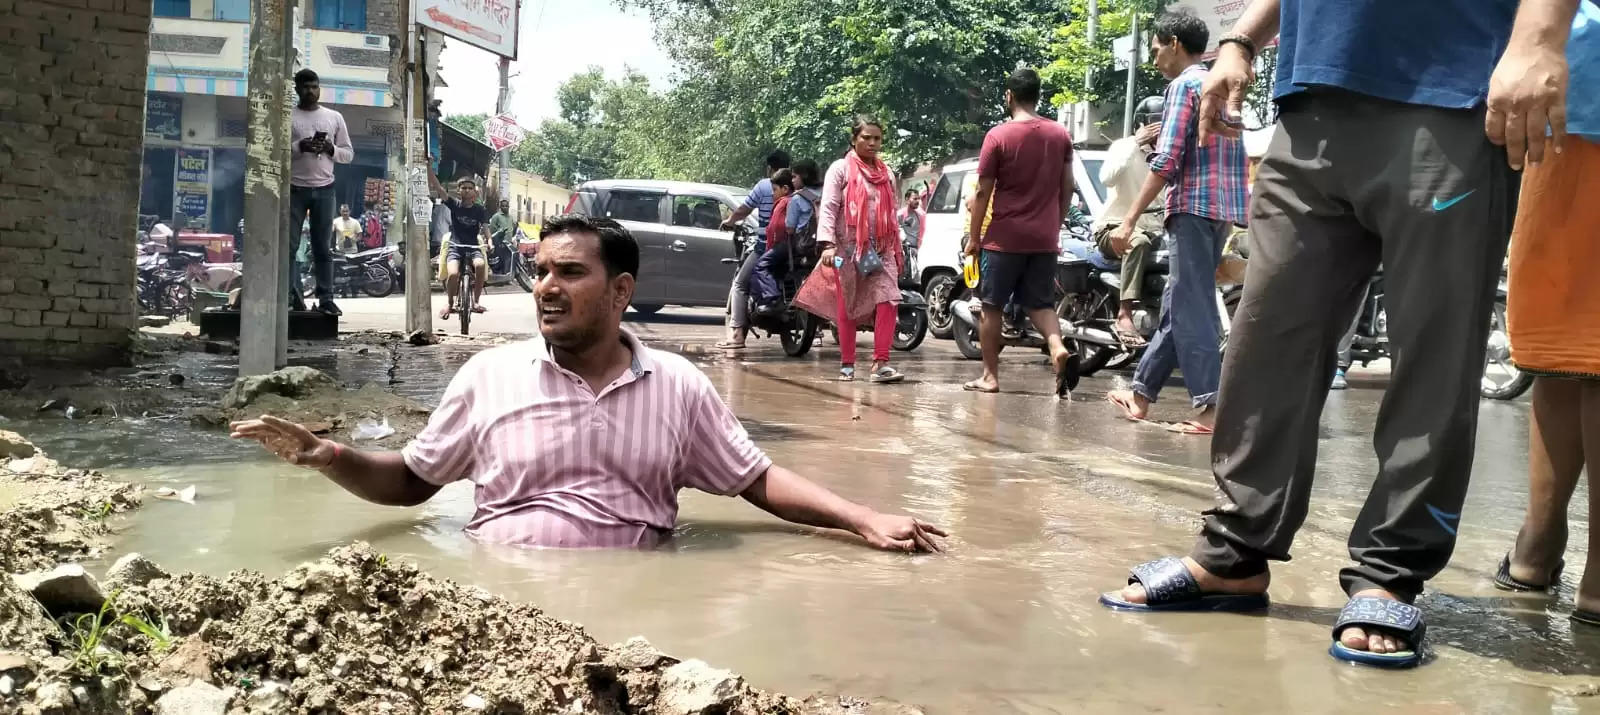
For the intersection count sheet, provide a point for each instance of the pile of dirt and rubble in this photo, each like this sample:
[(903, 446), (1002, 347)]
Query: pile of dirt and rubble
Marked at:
[(352, 632), (368, 415), (49, 513)]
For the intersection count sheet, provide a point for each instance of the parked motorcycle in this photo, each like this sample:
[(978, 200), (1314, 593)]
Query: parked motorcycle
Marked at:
[(1018, 331), (1501, 379), (507, 264), (372, 272), (1091, 287), (795, 327)]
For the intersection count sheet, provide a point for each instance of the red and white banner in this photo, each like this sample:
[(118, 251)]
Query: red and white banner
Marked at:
[(503, 132), (488, 24)]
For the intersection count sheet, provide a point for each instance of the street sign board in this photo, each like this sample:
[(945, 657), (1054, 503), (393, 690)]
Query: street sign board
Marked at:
[(486, 24), (1218, 15), (503, 132)]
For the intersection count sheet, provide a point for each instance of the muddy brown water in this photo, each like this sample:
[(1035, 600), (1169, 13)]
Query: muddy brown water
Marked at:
[(1049, 503)]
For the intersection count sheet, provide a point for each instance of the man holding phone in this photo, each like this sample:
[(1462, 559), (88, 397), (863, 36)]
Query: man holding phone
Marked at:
[(318, 138), (1208, 188)]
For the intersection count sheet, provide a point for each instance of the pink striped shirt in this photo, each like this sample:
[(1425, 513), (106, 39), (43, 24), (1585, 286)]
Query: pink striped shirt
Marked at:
[(557, 465)]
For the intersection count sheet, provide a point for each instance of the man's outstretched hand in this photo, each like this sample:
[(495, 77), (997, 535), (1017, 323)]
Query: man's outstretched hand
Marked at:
[(892, 532), (291, 442)]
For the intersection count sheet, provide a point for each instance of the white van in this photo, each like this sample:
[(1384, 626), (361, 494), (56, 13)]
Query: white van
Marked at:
[(940, 256)]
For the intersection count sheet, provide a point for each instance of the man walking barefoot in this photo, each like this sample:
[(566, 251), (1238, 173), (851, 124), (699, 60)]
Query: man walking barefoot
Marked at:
[(1026, 169), (1380, 155)]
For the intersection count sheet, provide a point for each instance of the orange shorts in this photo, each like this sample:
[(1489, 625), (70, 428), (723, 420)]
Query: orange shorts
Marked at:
[(1553, 313)]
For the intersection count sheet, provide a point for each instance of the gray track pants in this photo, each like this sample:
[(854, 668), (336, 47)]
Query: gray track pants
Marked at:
[(1350, 181)]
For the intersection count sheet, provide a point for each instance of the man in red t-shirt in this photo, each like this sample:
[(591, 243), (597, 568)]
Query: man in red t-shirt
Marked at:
[(1026, 169)]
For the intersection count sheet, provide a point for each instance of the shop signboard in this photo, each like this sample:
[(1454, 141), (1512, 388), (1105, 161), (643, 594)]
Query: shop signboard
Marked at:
[(163, 117), (192, 184)]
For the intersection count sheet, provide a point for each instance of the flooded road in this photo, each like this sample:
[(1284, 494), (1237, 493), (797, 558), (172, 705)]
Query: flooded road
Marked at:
[(1048, 502)]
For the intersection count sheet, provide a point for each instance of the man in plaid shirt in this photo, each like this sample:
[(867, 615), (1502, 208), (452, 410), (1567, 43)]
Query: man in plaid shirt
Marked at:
[(1207, 198)]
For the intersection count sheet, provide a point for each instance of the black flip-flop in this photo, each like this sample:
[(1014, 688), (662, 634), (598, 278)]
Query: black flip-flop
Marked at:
[(1588, 618), (1168, 586), (1371, 612), (1504, 581), (1067, 375)]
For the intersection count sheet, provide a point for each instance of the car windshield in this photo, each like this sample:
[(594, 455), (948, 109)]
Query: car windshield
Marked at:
[(1092, 168)]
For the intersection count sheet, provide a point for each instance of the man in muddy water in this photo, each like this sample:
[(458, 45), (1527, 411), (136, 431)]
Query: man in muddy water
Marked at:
[(583, 436), (1380, 155)]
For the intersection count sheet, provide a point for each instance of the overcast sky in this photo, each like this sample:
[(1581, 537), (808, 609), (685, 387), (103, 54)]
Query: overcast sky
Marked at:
[(559, 38)]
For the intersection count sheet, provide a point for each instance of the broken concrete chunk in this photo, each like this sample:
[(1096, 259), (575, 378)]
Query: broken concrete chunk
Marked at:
[(294, 382), (154, 321), (64, 589), (193, 659), (694, 688), (15, 445), (54, 698), (637, 653), (196, 698), (134, 570)]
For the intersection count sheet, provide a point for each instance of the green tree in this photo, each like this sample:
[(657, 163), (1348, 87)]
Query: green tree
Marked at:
[(469, 124), (790, 73)]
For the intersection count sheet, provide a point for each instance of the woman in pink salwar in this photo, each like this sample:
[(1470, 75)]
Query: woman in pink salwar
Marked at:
[(858, 218)]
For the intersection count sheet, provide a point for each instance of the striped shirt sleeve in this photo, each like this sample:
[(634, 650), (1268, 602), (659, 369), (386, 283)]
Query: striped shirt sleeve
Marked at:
[(720, 458), (443, 451), (1183, 102)]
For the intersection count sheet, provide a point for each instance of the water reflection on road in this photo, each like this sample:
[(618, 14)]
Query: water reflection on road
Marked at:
[(1049, 502)]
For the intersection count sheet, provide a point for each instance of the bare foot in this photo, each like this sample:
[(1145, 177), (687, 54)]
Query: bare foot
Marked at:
[(1134, 593), (1538, 548), (1354, 638), (1133, 405), (1207, 417)]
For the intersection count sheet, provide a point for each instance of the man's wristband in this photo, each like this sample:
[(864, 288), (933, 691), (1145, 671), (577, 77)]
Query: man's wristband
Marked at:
[(338, 451), (1241, 40)]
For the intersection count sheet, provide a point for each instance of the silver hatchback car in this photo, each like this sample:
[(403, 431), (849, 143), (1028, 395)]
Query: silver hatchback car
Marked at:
[(678, 227)]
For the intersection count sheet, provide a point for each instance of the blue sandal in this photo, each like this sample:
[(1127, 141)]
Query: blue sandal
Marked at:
[(1402, 620), (1168, 586)]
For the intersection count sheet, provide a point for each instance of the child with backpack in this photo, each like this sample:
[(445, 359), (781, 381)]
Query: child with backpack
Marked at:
[(791, 232)]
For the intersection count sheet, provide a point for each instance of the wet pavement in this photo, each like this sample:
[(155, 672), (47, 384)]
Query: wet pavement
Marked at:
[(1049, 502)]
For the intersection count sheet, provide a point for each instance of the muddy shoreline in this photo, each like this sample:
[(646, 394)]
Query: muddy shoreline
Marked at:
[(353, 631)]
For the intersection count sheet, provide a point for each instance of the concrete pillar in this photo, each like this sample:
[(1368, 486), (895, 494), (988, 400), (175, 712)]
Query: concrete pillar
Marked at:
[(264, 310)]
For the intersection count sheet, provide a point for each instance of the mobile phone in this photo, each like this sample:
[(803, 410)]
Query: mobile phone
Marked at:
[(321, 136)]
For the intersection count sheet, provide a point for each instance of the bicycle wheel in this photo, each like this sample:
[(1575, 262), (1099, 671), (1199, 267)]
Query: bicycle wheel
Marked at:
[(468, 275)]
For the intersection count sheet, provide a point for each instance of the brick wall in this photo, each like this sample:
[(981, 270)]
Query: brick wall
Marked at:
[(385, 17), (72, 79)]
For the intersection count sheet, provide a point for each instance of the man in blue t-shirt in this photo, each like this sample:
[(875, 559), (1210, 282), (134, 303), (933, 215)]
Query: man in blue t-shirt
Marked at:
[(1380, 156), (759, 200)]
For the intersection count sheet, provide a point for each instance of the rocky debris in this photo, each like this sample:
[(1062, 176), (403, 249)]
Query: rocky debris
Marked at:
[(26, 627), (65, 589), (196, 698), (16, 671), (293, 382), (133, 570), (694, 688), (356, 632), (49, 514), (14, 445), (420, 338), (154, 321)]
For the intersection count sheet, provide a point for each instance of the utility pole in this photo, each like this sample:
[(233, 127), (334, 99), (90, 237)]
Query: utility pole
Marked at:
[(503, 187), (412, 190), (264, 308), (1086, 108), (1133, 73)]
